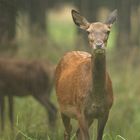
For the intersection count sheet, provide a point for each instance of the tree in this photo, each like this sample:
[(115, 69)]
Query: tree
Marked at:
[(37, 17), (8, 13), (124, 23), (135, 35)]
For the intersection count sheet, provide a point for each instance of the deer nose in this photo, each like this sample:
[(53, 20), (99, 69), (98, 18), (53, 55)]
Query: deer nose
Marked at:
[(99, 44)]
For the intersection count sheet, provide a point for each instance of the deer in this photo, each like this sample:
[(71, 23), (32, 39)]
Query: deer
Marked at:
[(83, 85), (20, 78)]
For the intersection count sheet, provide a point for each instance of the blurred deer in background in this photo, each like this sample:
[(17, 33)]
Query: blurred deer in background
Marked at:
[(83, 86), (22, 78)]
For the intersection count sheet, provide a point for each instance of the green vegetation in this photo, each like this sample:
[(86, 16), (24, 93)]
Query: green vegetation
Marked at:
[(30, 116)]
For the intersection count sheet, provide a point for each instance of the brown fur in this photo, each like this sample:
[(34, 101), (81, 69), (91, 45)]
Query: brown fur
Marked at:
[(22, 78), (74, 81), (83, 86), (73, 88)]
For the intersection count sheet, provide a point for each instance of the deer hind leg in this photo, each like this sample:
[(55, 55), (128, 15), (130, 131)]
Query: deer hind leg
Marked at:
[(11, 110), (67, 125), (101, 125), (2, 111), (52, 111)]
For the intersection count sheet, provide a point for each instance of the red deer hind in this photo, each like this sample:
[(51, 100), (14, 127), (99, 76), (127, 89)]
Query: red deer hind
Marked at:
[(83, 86), (21, 78)]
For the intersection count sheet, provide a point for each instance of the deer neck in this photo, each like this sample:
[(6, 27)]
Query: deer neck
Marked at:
[(98, 75)]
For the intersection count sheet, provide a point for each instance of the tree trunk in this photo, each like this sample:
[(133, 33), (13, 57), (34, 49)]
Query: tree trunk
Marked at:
[(124, 23), (37, 17), (8, 13), (135, 36)]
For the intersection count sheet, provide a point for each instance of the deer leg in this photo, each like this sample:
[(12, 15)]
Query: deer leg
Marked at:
[(82, 132), (79, 137), (11, 110), (78, 134), (101, 125), (67, 125), (52, 111), (2, 111)]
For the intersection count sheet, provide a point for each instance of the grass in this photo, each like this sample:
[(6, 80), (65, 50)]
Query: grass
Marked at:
[(30, 117)]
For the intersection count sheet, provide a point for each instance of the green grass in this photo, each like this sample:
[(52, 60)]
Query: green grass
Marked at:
[(30, 117)]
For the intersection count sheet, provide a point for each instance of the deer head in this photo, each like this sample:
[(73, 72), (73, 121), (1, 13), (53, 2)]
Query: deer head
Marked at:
[(97, 32)]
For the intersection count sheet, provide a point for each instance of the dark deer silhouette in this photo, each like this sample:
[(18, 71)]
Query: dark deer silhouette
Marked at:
[(23, 78)]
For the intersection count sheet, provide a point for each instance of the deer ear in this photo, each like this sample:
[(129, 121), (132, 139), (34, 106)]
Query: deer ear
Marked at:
[(79, 20), (112, 18)]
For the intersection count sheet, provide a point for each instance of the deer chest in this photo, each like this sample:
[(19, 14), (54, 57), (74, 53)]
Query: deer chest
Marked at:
[(96, 109)]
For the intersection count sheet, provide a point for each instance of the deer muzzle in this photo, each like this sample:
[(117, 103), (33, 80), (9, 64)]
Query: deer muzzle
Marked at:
[(99, 46)]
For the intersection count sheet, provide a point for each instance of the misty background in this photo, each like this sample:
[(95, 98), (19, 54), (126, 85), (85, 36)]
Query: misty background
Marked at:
[(43, 30)]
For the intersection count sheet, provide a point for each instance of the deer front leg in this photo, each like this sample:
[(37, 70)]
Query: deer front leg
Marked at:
[(90, 121), (11, 111), (82, 132), (78, 134), (67, 125), (2, 111), (101, 125)]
